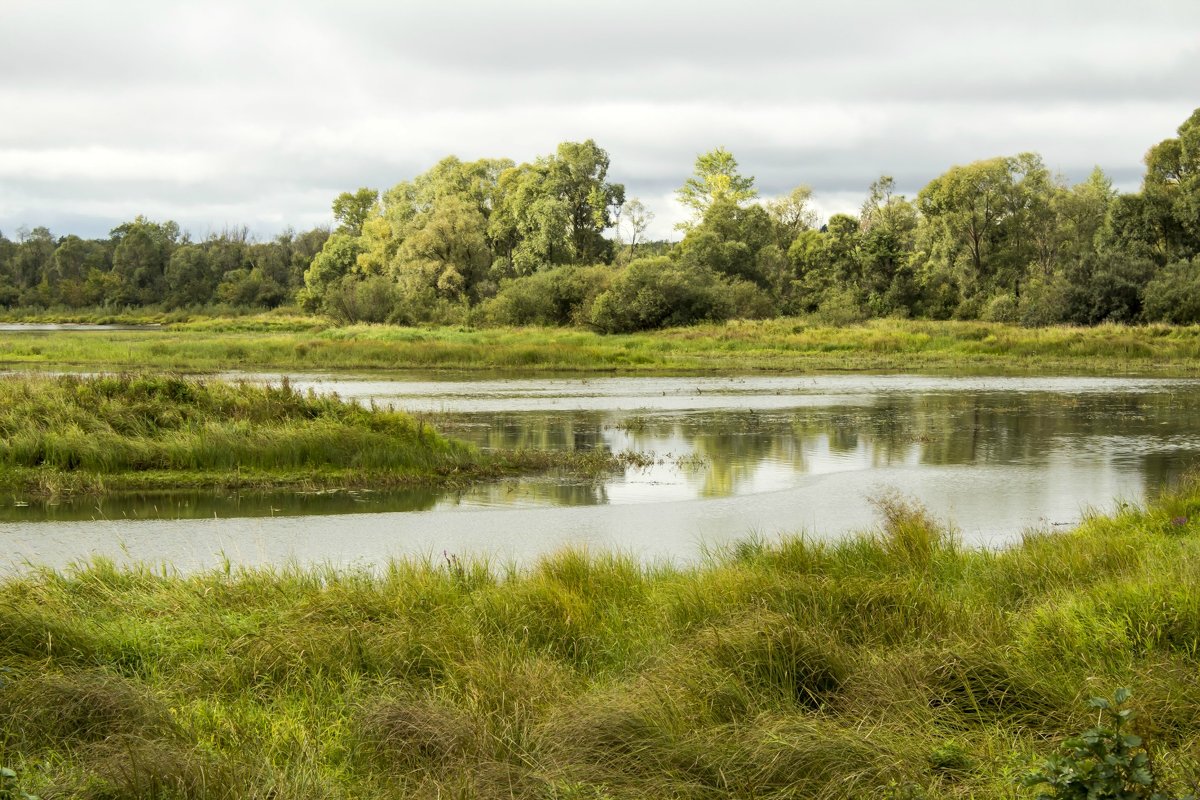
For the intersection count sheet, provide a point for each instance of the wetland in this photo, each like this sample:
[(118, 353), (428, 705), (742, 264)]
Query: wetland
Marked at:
[(681, 465)]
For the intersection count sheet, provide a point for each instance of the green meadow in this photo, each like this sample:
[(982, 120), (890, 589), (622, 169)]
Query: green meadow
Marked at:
[(282, 342)]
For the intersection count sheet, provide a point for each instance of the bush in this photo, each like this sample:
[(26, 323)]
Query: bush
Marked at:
[(1045, 302), (1174, 294), (841, 307), (1002, 308), (352, 299), (658, 293), (557, 296), (1102, 763), (1107, 288)]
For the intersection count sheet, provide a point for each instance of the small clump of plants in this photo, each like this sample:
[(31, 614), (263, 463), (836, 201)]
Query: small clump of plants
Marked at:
[(1105, 762)]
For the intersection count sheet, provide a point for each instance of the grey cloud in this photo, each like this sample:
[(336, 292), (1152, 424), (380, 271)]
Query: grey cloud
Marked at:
[(260, 113)]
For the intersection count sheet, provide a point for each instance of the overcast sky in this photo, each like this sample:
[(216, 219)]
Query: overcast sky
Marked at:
[(258, 113)]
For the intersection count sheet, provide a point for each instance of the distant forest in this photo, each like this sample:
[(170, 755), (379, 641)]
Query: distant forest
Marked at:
[(554, 242)]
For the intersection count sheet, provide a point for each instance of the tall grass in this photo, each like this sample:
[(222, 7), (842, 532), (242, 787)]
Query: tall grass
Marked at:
[(297, 343), (895, 664), (113, 426)]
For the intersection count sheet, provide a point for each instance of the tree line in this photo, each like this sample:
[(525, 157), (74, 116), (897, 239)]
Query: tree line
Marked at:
[(555, 242)]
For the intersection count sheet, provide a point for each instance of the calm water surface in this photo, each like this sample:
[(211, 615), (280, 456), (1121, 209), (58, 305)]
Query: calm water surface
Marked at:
[(80, 327), (732, 457)]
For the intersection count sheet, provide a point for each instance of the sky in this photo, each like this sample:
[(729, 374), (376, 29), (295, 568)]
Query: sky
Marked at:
[(222, 114)]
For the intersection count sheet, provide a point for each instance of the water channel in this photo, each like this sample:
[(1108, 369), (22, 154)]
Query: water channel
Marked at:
[(732, 458)]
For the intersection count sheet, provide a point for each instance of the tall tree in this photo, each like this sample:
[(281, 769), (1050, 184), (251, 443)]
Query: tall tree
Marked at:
[(577, 174), (1172, 187), (979, 220), (635, 218), (140, 259), (793, 213), (352, 209), (716, 178)]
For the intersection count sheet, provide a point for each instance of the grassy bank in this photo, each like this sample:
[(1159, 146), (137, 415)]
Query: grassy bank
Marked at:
[(299, 343), (895, 665), (68, 436)]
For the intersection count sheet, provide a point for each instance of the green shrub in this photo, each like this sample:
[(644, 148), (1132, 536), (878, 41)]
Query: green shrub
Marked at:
[(1174, 294), (557, 296), (1105, 762), (1001, 308), (1045, 301), (659, 293), (354, 299)]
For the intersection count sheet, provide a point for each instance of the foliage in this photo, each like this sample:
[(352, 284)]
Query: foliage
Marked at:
[(447, 239), (1173, 295), (557, 296), (660, 292), (1105, 762), (716, 179), (10, 789)]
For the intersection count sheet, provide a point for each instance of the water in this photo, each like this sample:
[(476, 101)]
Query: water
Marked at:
[(731, 458), (79, 327)]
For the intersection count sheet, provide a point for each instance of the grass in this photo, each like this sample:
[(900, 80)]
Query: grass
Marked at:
[(895, 664), (280, 341), (66, 435)]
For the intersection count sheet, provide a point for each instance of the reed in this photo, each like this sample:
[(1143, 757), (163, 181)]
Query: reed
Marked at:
[(91, 435)]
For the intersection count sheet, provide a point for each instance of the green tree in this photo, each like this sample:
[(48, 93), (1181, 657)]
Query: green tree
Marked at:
[(887, 238), (1172, 188), (635, 218), (980, 221), (728, 241), (556, 210), (190, 277), (140, 259), (793, 214), (577, 174), (449, 251), (530, 225), (716, 178), (352, 209), (337, 259), (31, 260)]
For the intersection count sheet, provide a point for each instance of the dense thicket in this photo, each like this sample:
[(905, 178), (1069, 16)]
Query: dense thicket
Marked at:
[(149, 264), (555, 242)]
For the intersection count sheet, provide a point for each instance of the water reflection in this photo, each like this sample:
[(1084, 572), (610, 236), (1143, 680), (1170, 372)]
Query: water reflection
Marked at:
[(777, 454), (735, 452)]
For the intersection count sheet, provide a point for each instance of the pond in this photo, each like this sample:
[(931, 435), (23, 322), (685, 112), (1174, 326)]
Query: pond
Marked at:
[(730, 458)]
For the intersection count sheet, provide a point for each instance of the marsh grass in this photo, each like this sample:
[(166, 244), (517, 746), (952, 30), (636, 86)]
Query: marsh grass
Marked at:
[(70, 435), (285, 342), (894, 664)]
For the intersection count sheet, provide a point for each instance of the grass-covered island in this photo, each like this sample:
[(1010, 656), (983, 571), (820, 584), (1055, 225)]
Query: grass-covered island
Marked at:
[(67, 435), (894, 665)]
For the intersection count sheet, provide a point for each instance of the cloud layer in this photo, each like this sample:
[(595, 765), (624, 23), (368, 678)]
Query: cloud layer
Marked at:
[(223, 113)]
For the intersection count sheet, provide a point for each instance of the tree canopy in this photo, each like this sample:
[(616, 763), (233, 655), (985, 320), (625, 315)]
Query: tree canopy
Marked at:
[(556, 241)]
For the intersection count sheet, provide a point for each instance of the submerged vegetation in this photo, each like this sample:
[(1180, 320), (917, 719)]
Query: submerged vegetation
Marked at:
[(90, 435), (281, 342), (894, 665)]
